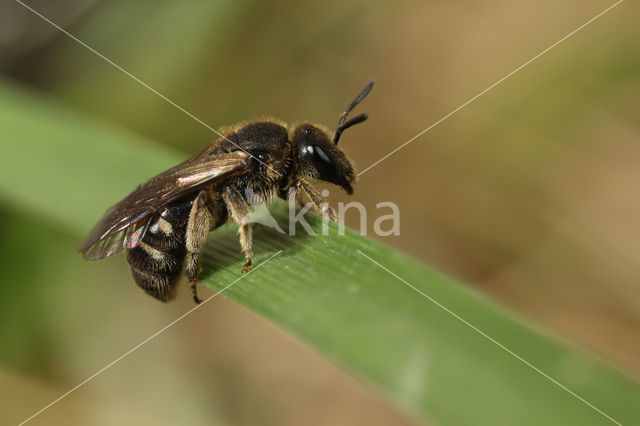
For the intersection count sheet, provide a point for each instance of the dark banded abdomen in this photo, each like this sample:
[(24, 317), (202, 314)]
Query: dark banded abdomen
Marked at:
[(156, 262)]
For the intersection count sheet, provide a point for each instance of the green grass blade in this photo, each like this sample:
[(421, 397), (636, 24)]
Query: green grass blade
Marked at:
[(323, 291)]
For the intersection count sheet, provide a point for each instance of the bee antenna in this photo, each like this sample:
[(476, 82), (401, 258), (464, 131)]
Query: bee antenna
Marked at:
[(342, 125), (355, 120)]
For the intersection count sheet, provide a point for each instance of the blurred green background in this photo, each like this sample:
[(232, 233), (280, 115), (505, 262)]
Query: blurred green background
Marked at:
[(529, 193)]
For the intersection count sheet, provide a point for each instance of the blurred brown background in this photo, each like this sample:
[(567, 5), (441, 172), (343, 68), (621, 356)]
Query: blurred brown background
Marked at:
[(529, 193)]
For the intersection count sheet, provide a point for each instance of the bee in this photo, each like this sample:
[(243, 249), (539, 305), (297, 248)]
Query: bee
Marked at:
[(164, 222)]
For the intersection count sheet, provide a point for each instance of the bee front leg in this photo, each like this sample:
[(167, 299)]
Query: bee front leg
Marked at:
[(198, 226), (239, 210), (319, 203)]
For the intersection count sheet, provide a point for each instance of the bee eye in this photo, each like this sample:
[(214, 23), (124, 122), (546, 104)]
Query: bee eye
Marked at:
[(321, 162), (316, 153), (306, 131), (320, 154)]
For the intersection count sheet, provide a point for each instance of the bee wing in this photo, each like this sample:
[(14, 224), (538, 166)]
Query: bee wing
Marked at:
[(124, 225), (114, 242)]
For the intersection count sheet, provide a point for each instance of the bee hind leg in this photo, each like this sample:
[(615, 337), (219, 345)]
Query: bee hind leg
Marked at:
[(198, 226), (239, 210)]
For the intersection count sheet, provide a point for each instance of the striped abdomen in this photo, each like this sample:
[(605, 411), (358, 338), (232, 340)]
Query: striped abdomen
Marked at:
[(156, 262)]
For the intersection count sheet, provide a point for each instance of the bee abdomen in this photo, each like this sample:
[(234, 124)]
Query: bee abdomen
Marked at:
[(156, 271), (160, 286), (156, 262)]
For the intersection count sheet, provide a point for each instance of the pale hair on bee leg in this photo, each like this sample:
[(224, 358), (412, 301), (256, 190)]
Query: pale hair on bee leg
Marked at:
[(239, 210), (196, 234)]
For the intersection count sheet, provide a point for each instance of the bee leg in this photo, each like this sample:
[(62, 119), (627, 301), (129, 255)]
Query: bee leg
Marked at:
[(246, 242), (197, 229), (239, 210), (319, 203)]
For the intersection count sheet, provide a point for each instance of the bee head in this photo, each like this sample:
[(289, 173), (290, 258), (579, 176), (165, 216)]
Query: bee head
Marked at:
[(319, 156)]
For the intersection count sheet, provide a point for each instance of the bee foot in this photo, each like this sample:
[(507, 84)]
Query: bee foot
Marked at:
[(194, 291), (247, 266)]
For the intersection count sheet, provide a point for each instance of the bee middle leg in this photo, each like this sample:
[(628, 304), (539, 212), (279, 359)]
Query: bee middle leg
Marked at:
[(198, 226), (239, 210)]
